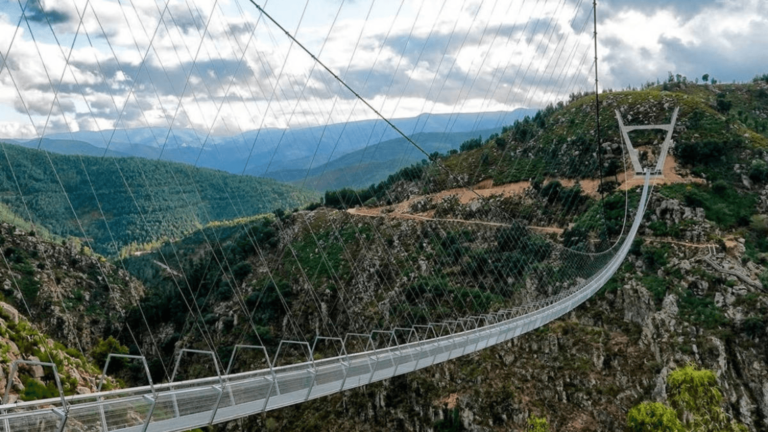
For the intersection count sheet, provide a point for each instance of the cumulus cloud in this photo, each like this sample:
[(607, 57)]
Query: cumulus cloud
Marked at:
[(206, 68)]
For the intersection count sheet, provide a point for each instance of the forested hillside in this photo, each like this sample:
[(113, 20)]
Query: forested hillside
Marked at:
[(143, 201)]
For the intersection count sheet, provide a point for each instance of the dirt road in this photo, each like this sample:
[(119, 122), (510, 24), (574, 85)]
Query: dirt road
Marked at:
[(486, 189)]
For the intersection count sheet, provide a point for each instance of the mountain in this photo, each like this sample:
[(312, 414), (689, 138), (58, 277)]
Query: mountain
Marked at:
[(143, 200), (373, 164), (69, 147), (298, 147)]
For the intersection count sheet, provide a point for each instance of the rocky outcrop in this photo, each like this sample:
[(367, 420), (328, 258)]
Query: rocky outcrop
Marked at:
[(19, 340), (67, 292)]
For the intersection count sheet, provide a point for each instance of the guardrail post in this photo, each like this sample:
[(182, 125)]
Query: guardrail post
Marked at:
[(426, 338), (394, 335), (104, 375), (153, 402), (232, 361), (342, 353), (373, 347), (456, 324), (367, 357), (14, 368), (313, 370), (218, 373), (445, 325)]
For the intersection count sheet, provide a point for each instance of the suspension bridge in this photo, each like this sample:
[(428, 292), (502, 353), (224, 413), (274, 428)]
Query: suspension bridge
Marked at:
[(154, 73)]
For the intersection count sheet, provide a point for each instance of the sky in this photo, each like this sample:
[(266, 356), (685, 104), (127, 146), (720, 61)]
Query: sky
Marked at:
[(222, 67)]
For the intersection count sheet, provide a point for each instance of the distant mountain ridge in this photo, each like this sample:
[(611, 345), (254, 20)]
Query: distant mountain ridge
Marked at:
[(361, 168), (271, 152)]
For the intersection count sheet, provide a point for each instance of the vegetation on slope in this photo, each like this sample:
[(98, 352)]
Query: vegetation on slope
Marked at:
[(143, 201)]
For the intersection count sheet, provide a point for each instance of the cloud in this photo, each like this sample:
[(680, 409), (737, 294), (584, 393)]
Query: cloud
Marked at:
[(723, 38), (41, 11), (683, 8), (435, 57)]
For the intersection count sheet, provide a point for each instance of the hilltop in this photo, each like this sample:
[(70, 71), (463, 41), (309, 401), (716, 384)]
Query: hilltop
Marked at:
[(717, 127)]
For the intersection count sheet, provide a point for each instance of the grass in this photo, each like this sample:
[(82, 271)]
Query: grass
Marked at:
[(700, 311), (722, 203), (657, 286)]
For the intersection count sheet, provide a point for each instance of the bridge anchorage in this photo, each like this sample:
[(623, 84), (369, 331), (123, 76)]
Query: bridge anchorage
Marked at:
[(184, 405), (658, 169)]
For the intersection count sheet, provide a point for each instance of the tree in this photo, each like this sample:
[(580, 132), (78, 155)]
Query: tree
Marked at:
[(104, 348), (705, 77), (612, 168), (471, 144), (653, 417), (694, 406), (694, 392), (723, 106), (241, 271)]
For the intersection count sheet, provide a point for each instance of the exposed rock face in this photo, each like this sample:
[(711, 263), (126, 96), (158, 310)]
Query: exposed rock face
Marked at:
[(72, 296), (20, 341), (689, 220)]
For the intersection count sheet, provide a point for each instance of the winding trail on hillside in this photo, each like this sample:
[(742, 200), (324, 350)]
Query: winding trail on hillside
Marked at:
[(365, 212), (487, 189)]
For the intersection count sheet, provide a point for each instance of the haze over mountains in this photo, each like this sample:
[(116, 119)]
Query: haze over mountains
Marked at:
[(351, 154)]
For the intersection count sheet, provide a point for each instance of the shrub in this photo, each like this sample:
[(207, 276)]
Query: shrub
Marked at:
[(758, 172), (654, 257), (104, 348), (694, 392), (35, 390), (576, 238), (607, 187), (657, 286), (700, 311), (537, 424), (720, 187), (551, 191), (707, 153), (754, 326), (759, 223), (727, 207), (653, 417), (450, 423), (241, 271), (509, 238), (694, 397), (723, 105)]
